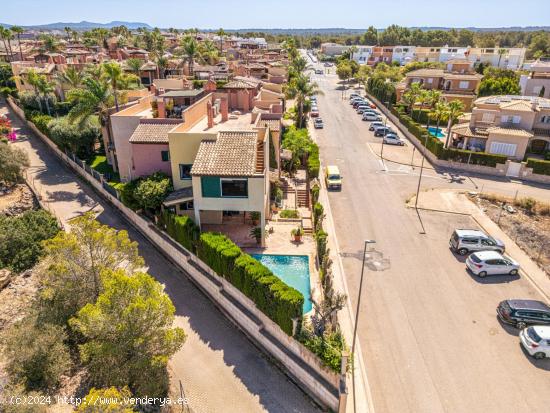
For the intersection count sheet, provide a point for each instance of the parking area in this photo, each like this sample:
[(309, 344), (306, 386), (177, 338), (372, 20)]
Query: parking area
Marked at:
[(428, 329)]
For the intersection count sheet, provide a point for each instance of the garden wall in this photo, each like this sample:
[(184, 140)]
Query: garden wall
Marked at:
[(299, 363)]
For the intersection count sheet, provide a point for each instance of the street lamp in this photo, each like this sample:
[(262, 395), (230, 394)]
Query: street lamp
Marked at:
[(367, 241), (421, 170), (384, 136)]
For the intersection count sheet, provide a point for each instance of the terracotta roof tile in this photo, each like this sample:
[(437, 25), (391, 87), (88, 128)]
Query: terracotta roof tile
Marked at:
[(233, 153), (510, 131), (152, 132)]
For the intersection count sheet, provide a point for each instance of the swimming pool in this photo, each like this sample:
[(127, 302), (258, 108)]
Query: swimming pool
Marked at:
[(293, 270), (438, 133)]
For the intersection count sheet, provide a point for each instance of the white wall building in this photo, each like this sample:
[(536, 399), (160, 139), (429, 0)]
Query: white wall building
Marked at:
[(403, 54), (451, 53), (362, 54), (333, 49), (503, 57)]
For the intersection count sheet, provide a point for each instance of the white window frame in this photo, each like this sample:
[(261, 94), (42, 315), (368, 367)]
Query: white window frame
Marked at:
[(464, 84), (488, 117), (516, 119), (233, 196)]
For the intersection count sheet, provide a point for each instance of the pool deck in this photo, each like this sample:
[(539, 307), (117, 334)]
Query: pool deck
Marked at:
[(280, 242)]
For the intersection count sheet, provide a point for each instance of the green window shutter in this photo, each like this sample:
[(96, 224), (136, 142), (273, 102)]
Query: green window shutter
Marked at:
[(210, 186), (165, 155)]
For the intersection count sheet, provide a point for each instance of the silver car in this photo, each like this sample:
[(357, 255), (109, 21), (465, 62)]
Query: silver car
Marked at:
[(464, 241)]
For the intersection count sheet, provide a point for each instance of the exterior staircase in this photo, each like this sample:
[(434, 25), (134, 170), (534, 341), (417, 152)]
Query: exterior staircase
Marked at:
[(303, 198), (260, 158)]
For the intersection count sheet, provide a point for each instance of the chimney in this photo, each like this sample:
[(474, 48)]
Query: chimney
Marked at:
[(224, 107), (161, 108), (209, 114)]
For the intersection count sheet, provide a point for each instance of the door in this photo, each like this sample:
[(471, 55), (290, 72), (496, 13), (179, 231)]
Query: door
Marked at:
[(513, 169)]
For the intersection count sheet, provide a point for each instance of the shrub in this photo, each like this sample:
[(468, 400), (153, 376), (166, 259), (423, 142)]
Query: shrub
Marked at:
[(328, 348), (13, 161), (41, 122), (36, 353), (321, 240), (21, 238), (127, 191), (151, 191), (77, 138), (272, 296), (181, 228), (289, 213), (474, 158), (315, 189), (318, 211), (313, 161), (538, 166)]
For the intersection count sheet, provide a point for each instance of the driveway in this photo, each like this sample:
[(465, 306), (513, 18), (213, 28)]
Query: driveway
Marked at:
[(429, 334), (219, 369)]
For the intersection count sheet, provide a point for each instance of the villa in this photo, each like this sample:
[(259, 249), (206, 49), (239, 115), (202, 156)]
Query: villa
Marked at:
[(457, 82), (505, 125), (537, 82)]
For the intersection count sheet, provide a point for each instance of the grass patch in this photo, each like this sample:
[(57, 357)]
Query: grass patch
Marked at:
[(100, 164), (289, 213)]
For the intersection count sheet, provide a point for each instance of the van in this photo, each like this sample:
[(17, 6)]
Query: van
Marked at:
[(464, 241), (333, 178)]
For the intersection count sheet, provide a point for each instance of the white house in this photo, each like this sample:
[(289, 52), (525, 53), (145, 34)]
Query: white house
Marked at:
[(362, 54), (403, 54)]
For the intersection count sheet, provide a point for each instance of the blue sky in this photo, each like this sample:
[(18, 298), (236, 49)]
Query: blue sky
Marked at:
[(234, 14)]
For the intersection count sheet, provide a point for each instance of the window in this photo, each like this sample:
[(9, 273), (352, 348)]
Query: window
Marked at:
[(235, 188), (470, 241), (185, 171), (429, 80), (545, 119), (464, 84), (488, 117), (504, 119), (165, 156), (516, 119), (186, 206)]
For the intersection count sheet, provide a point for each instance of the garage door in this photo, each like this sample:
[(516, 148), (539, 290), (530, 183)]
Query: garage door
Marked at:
[(499, 148)]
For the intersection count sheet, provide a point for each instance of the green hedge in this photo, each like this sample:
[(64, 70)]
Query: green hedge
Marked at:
[(313, 161), (539, 167), (273, 297), (474, 158), (181, 228), (40, 121)]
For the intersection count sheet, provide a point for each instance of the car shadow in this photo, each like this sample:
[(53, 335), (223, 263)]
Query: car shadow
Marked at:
[(459, 258), (508, 328), (543, 364), (493, 279)]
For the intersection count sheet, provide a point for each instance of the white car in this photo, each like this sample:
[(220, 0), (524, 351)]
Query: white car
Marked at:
[(536, 340), (393, 139), (371, 117), (483, 263)]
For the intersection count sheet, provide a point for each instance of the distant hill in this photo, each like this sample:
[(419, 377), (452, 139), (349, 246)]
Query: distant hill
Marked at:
[(83, 25), (338, 30)]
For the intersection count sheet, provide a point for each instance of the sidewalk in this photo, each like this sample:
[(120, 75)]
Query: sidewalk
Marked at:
[(457, 202), (218, 368), (346, 317)]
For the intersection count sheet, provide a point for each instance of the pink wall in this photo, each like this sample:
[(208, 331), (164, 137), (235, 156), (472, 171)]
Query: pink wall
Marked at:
[(147, 158)]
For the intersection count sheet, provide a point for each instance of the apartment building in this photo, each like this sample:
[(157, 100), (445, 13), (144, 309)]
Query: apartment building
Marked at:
[(537, 82), (403, 54), (458, 81), (362, 54), (333, 49), (447, 53), (505, 125), (502, 57)]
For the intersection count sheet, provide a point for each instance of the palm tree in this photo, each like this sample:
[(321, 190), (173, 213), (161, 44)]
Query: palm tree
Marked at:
[(352, 50), (18, 31), (300, 89), (113, 75), (68, 32), (71, 77), (95, 97), (208, 52), (33, 79), (49, 43), (501, 52), (134, 65), (190, 51), (439, 112), (411, 95), (44, 88), (7, 37), (221, 33), (455, 110)]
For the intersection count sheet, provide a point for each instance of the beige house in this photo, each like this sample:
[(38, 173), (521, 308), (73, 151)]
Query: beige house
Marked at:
[(537, 82), (505, 125), (458, 81)]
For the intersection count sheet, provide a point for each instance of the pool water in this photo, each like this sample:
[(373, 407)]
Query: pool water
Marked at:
[(293, 270), (438, 133)]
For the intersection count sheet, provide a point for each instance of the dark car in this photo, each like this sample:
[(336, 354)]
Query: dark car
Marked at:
[(382, 130), (521, 313)]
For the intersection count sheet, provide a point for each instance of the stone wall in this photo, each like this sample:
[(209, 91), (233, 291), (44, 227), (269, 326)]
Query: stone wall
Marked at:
[(304, 367)]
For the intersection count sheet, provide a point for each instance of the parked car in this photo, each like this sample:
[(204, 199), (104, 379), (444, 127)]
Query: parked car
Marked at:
[(522, 313), (361, 109), (383, 130), (393, 139), (357, 103), (314, 113), (328, 64), (464, 241), (333, 178), (536, 341), (483, 263), (371, 116), (375, 125), (318, 71), (318, 123), (374, 111), (354, 95)]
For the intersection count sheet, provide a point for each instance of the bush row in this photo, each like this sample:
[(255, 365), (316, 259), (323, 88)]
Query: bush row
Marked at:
[(280, 302), (436, 146), (181, 228), (539, 167), (313, 161)]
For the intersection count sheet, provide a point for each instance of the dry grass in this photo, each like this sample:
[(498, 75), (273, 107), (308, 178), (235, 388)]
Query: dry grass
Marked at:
[(528, 225)]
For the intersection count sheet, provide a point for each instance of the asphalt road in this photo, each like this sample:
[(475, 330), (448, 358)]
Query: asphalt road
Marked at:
[(429, 333)]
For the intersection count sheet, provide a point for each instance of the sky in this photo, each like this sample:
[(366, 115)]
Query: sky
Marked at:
[(235, 14)]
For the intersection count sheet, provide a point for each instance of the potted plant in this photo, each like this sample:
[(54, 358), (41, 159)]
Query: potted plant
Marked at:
[(297, 234), (256, 232), (255, 217)]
